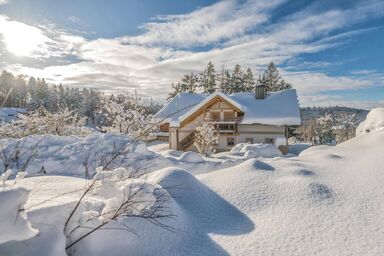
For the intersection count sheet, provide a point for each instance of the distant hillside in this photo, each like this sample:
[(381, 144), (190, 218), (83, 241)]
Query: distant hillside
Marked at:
[(309, 113)]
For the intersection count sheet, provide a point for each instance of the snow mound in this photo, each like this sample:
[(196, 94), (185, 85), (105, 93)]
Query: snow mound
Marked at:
[(14, 224), (191, 157), (373, 122), (205, 208), (253, 150), (77, 156)]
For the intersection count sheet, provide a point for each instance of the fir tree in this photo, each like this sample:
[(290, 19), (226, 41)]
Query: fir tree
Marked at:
[(189, 83), (271, 78), (249, 81), (207, 79), (236, 81)]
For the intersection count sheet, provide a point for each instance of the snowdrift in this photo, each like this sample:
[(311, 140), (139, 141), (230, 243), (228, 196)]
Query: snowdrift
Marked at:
[(327, 201), (13, 222), (373, 122), (254, 150)]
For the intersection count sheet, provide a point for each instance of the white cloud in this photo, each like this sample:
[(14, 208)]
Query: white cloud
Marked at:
[(236, 32), (3, 2)]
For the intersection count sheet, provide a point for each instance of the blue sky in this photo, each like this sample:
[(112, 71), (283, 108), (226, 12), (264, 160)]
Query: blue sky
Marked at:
[(331, 51)]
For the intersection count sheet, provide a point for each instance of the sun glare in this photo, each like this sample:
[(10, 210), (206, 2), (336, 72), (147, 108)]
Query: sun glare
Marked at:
[(21, 39)]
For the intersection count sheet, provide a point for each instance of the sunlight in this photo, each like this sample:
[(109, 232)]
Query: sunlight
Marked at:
[(21, 39)]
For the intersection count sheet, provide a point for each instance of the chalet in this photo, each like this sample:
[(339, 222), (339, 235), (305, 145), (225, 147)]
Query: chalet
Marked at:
[(258, 117)]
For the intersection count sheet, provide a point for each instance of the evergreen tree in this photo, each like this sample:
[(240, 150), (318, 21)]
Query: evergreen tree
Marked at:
[(189, 83), (249, 81), (223, 80), (236, 81), (207, 80), (271, 78)]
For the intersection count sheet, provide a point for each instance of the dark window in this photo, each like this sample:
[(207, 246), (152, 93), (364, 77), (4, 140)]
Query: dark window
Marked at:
[(268, 140), (230, 141)]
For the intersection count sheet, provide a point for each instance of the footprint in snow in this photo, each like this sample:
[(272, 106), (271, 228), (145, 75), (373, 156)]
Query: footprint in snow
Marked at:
[(333, 156), (320, 191), (304, 172), (263, 166)]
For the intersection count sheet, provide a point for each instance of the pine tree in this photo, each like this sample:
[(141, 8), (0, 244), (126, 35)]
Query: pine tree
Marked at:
[(249, 81), (224, 79), (189, 83), (236, 81), (271, 78), (207, 80)]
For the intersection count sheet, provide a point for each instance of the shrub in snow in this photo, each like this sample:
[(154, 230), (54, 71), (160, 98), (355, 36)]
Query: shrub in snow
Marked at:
[(109, 199), (39, 122), (126, 121), (206, 138), (373, 122)]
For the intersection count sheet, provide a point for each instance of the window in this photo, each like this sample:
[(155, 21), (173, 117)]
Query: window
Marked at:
[(229, 116), (230, 141), (249, 140), (268, 140), (214, 116)]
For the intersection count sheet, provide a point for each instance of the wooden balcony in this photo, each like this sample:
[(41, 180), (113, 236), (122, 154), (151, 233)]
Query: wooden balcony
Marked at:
[(225, 127)]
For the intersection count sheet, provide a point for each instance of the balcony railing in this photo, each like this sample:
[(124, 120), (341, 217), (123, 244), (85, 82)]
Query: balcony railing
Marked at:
[(224, 127)]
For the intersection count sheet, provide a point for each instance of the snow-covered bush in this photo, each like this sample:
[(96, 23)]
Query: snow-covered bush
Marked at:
[(122, 120), (39, 122), (206, 138), (324, 132), (373, 122), (110, 199)]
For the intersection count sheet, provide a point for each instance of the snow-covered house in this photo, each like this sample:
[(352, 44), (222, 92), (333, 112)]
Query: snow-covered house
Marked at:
[(239, 118)]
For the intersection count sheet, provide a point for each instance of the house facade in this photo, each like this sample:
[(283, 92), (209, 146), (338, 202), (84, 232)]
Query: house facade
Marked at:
[(238, 118)]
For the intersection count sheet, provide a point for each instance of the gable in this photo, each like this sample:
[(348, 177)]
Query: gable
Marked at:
[(215, 102)]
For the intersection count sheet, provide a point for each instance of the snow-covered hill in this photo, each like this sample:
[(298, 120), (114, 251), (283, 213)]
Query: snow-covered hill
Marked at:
[(326, 201)]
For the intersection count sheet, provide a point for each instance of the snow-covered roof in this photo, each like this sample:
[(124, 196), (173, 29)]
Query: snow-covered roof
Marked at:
[(178, 106), (279, 108)]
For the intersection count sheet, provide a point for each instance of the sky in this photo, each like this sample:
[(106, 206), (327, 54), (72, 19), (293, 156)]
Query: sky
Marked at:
[(331, 51)]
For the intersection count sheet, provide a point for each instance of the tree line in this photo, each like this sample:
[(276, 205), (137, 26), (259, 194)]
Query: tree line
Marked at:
[(237, 80), (34, 93)]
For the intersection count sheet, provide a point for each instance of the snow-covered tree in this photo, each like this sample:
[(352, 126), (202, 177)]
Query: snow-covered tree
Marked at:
[(272, 79), (123, 120), (176, 89), (189, 83), (236, 81), (207, 80), (223, 80), (249, 81), (324, 130), (206, 138), (65, 122)]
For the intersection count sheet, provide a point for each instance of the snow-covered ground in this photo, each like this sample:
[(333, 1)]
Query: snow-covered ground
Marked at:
[(9, 114), (326, 201)]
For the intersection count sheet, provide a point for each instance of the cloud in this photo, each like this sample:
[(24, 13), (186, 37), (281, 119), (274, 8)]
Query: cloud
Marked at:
[(74, 19), (229, 32), (3, 2), (213, 24)]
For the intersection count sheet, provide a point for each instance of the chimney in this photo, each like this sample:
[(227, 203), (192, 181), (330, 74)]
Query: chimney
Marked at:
[(260, 91)]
